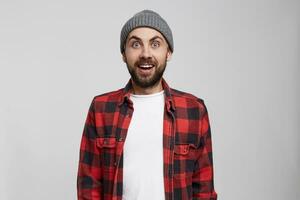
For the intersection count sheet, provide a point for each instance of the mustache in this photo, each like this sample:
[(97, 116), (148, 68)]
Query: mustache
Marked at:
[(146, 61)]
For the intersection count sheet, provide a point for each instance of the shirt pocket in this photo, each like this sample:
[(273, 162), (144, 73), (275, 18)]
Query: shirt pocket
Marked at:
[(106, 142), (184, 160), (107, 147)]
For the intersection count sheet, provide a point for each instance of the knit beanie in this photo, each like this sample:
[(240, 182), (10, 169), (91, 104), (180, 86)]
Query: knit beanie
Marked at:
[(147, 18)]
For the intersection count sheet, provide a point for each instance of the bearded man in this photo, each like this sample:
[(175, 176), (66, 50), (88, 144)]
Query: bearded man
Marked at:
[(146, 141)]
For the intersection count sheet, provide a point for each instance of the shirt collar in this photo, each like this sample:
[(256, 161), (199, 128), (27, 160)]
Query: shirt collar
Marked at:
[(125, 97)]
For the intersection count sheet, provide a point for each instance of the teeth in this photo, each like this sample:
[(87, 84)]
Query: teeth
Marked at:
[(146, 66)]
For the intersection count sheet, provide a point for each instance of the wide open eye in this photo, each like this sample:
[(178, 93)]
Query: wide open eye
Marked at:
[(136, 44), (155, 44)]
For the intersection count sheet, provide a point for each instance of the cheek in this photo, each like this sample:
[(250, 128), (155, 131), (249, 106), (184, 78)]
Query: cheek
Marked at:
[(131, 60), (131, 57), (161, 58)]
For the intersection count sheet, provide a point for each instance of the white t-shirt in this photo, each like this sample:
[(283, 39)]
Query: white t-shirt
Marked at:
[(143, 149)]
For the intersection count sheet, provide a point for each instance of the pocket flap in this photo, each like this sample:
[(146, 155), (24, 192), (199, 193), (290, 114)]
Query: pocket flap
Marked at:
[(106, 142), (182, 149)]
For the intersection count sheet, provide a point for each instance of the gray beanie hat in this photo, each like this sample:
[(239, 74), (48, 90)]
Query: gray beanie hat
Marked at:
[(147, 18)]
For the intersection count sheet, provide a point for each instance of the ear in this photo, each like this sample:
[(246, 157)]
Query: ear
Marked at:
[(124, 57), (169, 55)]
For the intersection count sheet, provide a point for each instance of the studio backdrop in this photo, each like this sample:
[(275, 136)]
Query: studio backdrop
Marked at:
[(240, 57)]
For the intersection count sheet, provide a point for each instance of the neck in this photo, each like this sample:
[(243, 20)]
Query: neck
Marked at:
[(149, 90)]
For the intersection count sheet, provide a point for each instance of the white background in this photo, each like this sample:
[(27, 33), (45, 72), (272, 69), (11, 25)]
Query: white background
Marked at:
[(241, 57)]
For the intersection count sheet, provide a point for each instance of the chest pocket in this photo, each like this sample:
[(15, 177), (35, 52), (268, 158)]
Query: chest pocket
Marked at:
[(181, 149), (184, 160), (106, 142), (107, 148)]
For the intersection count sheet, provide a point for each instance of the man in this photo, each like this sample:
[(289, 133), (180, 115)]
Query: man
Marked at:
[(146, 141)]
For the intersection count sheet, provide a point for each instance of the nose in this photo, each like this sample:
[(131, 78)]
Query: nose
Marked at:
[(146, 53)]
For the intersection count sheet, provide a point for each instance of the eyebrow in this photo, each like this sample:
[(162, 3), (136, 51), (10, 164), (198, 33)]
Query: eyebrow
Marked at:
[(137, 38)]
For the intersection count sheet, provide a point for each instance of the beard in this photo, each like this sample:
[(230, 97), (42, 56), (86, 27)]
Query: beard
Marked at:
[(146, 82)]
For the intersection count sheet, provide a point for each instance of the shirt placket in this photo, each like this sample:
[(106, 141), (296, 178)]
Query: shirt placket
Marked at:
[(169, 132), (120, 145)]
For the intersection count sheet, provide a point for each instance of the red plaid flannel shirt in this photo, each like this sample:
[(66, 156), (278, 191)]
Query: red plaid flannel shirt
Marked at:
[(187, 147)]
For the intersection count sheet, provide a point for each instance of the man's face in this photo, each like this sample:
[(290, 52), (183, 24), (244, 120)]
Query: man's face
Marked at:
[(146, 55)]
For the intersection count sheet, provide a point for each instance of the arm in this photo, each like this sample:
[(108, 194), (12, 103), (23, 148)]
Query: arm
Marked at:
[(203, 177), (89, 169)]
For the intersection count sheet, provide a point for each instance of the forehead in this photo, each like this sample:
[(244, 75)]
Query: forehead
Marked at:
[(145, 33)]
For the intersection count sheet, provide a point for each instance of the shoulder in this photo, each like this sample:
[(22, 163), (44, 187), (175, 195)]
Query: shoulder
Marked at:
[(187, 100), (108, 96), (106, 101)]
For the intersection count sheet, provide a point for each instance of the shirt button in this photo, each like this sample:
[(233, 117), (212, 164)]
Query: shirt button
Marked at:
[(185, 150)]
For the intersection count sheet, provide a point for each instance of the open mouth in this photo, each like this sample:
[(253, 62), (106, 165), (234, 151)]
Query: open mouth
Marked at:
[(146, 69), (146, 66)]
